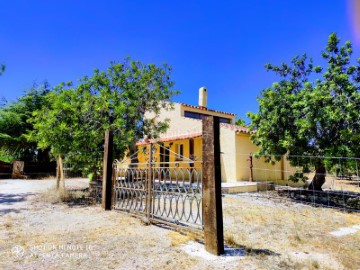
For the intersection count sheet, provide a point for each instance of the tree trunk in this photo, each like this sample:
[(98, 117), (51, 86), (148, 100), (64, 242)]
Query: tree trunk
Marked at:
[(319, 178), (59, 172)]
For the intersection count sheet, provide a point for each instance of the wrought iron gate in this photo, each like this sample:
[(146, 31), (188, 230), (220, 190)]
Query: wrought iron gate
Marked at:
[(165, 192)]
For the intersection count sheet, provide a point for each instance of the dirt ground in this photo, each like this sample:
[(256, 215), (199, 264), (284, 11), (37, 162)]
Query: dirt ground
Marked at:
[(261, 233)]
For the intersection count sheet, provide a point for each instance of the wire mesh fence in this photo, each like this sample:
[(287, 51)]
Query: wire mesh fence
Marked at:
[(291, 178), (70, 171), (298, 235), (284, 214), (316, 229)]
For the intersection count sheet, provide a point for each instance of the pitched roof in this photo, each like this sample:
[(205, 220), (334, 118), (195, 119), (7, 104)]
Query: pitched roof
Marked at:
[(236, 128), (206, 109)]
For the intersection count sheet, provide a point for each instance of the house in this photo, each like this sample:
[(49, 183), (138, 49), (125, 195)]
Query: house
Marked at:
[(181, 144)]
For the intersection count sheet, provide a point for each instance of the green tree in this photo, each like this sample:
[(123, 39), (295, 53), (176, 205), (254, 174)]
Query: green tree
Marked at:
[(311, 111), (241, 122), (14, 126), (75, 122)]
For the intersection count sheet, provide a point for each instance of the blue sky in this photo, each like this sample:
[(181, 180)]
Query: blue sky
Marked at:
[(222, 45)]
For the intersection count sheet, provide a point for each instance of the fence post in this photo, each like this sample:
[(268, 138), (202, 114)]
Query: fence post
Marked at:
[(149, 183), (251, 178), (211, 187), (107, 170)]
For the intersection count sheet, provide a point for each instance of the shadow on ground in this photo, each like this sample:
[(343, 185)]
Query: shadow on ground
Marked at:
[(246, 251), (9, 202), (229, 251)]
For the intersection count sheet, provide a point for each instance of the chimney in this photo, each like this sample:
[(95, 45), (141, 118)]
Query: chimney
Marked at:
[(203, 97)]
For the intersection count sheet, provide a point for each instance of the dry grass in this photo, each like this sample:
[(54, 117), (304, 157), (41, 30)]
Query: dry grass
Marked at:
[(8, 223), (230, 241), (48, 177), (334, 183), (178, 238), (274, 234), (286, 228), (308, 264), (61, 195), (347, 185)]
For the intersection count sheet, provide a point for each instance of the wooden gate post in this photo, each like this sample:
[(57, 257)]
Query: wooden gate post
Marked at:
[(107, 170), (211, 187)]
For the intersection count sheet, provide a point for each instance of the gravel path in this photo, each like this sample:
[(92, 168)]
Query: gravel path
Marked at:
[(14, 193), (272, 234), (39, 235)]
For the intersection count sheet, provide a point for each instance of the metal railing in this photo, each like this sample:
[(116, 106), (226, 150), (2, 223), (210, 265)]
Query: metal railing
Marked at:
[(165, 194), (177, 196)]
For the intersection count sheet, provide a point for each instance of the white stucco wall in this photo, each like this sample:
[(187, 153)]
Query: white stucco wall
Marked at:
[(180, 125), (228, 155)]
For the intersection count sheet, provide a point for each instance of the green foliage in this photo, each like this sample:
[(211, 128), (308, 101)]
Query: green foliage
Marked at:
[(14, 126), (298, 176), (91, 177), (5, 156), (75, 121), (241, 122), (312, 110)]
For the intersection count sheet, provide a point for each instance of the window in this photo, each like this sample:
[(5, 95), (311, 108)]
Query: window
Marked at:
[(195, 115), (179, 152), (224, 120)]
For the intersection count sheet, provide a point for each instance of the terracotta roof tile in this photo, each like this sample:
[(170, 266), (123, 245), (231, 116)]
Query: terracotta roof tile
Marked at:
[(236, 128), (168, 139), (206, 109)]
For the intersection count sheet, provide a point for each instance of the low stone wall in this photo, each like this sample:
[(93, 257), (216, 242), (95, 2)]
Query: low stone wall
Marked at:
[(337, 199)]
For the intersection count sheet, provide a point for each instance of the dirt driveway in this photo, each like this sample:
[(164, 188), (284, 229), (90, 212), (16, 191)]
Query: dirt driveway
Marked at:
[(40, 235), (265, 234)]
